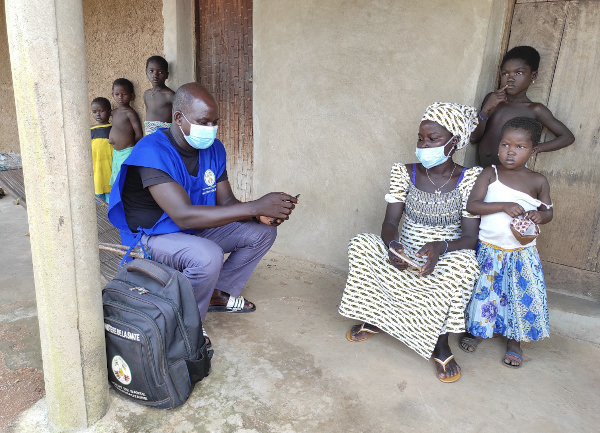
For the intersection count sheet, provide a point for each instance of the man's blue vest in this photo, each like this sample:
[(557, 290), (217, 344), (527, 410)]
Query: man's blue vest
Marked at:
[(156, 151)]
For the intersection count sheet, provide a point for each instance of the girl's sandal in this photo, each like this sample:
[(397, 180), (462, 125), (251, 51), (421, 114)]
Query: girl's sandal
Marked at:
[(514, 357), (470, 343)]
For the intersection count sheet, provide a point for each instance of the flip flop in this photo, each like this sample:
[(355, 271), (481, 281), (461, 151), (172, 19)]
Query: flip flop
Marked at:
[(360, 328), (206, 339), (443, 364), (234, 305), (512, 356), (470, 342)]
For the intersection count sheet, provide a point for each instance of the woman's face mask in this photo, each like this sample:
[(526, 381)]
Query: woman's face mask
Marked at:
[(432, 156), (201, 136)]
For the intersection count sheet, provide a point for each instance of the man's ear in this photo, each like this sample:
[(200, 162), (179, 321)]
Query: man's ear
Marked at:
[(177, 118)]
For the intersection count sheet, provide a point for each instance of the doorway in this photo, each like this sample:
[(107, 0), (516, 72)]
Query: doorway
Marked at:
[(224, 67), (566, 34)]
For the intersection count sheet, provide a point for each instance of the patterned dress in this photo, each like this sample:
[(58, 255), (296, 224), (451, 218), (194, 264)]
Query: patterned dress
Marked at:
[(414, 310), (510, 295)]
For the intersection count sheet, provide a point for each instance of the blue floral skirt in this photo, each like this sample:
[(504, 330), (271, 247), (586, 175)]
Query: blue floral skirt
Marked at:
[(509, 297)]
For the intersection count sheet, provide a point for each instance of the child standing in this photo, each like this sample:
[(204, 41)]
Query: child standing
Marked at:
[(518, 70), (126, 127), (158, 99), (101, 148), (509, 297)]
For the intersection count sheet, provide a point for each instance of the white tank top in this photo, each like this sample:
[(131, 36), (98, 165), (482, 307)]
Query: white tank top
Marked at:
[(495, 228)]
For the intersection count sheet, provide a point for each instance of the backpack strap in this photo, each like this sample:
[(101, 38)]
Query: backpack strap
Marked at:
[(150, 269)]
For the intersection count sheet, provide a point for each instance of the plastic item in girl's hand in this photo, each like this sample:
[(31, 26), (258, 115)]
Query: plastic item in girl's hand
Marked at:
[(524, 230), (407, 259)]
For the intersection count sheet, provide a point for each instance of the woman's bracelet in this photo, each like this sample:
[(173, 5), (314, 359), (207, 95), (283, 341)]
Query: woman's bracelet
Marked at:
[(390, 244), (485, 119), (446, 248)]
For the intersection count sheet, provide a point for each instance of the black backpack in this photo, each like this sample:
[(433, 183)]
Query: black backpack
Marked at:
[(154, 344)]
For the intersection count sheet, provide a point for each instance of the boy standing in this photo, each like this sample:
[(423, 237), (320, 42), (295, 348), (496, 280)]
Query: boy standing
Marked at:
[(126, 127), (158, 99), (518, 70), (101, 148)]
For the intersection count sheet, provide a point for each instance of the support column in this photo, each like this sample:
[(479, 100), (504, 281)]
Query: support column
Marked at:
[(47, 53), (179, 41)]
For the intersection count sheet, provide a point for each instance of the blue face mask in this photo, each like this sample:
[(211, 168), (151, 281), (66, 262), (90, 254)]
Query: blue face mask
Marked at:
[(201, 136), (432, 156)]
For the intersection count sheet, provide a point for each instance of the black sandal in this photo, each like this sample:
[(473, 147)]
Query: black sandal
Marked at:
[(470, 342)]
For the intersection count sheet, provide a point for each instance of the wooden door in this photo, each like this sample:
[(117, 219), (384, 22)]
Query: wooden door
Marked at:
[(224, 66), (567, 35)]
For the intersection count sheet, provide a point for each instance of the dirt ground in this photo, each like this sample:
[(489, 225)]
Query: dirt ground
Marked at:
[(19, 389), (21, 377), (288, 368)]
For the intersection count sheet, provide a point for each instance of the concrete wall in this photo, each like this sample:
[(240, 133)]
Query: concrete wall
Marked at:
[(9, 139), (119, 36), (339, 90)]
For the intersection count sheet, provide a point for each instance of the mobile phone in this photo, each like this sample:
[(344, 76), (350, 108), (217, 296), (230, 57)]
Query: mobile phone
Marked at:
[(407, 259), (274, 220)]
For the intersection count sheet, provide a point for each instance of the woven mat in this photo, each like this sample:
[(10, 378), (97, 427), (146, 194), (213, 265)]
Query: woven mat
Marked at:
[(11, 179), (9, 161)]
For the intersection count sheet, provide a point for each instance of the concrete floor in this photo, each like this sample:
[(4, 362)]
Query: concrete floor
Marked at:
[(289, 368)]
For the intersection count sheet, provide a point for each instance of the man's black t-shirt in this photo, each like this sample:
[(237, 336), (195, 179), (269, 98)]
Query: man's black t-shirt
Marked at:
[(141, 210)]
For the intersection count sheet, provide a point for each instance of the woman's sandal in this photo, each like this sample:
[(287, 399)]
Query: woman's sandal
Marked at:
[(470, 342), (443, 364), (356, 329), (512, 356)]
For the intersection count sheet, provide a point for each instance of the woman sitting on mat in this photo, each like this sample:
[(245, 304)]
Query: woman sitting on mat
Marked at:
[(421, 304)]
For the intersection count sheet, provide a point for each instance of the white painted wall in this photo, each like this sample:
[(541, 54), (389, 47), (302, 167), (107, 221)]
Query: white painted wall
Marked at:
[(339, 90)]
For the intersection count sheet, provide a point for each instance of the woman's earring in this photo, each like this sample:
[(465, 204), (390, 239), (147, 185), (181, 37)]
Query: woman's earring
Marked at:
[(532, 81)]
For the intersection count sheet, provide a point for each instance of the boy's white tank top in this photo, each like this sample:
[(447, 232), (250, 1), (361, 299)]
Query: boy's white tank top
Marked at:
[(495, 228)]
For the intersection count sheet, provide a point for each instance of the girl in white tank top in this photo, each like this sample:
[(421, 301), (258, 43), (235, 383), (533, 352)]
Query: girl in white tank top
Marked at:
[(509, 297)]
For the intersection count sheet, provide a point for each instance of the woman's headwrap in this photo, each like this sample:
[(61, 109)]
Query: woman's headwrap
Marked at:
[(459, 119)]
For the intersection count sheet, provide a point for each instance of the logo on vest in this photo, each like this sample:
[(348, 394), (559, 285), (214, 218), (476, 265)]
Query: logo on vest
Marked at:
[(209, 177), (121, 370)]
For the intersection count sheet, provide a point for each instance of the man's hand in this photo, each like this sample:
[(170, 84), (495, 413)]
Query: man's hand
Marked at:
[(269, 221), (276, 206)]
